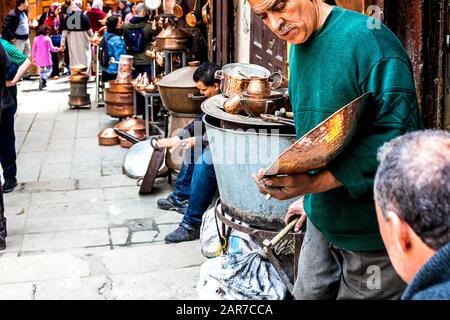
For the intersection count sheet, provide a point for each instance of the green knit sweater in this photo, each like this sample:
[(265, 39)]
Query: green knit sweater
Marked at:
[(341, 61)]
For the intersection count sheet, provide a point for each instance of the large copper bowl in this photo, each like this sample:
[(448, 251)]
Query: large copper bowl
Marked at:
[(179, 92), (321, 144)]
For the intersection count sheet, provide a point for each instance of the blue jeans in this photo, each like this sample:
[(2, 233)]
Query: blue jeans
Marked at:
[(203, 189)]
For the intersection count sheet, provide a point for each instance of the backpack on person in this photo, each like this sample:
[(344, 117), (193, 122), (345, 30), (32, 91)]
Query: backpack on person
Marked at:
[(103, 51), (135, 40)]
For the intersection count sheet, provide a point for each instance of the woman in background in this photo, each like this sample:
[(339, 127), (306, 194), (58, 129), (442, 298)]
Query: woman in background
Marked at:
[(53, 19), (77, 32), (116, 47)]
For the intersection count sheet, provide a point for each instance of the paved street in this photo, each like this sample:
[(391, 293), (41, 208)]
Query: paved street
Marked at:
[(77, 227)]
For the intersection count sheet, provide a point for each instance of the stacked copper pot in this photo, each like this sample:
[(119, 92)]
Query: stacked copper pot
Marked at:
[(119, 96), (78, 96)]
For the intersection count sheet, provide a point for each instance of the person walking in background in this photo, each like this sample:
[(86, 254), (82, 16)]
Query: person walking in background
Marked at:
[(16, 27), (53, 19), (412, 197), (132, 14), (138, 35), (96, 15), (42, 54), (77, 36), (115, 48), (124, 8)]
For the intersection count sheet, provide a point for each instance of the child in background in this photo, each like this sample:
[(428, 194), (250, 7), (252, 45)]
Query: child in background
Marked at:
[(41, 53)]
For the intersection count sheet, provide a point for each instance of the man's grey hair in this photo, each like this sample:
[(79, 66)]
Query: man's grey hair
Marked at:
[(141, 8), (413, 180)]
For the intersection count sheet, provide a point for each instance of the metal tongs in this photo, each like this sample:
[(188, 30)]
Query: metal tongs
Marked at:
[(277, 119)]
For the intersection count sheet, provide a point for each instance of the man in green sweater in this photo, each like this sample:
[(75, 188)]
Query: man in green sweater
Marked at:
[(336, 56)]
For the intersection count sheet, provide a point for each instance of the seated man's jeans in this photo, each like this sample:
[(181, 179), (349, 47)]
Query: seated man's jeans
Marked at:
[(203, 189), (184, 179)]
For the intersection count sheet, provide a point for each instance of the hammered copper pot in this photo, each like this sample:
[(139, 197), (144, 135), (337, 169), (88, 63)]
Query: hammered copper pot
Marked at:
[(131, 124), (107, 137), (124, 143), (120, 87), (118, 98), (235, 77), (118, 110), (172, 38)]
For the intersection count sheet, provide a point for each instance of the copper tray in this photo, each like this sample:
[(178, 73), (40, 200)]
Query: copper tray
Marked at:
[(321, 144)]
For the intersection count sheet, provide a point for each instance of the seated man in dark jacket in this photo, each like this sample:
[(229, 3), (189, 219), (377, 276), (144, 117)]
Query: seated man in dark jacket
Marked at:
[(412, 195)]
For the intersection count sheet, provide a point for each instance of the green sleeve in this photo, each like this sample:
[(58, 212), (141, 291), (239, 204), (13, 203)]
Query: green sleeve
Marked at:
[(13, 53), (392, 112)]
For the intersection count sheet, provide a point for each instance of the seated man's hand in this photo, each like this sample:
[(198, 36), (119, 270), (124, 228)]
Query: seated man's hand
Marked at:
[(284, 187), (167, 142), (296, 210), (10, 83)]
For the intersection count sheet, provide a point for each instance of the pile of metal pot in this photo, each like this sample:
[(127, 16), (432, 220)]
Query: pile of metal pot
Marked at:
[(251, 89), (78, 79)]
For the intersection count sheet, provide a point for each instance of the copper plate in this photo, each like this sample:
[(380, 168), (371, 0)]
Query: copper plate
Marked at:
[(321, 144)]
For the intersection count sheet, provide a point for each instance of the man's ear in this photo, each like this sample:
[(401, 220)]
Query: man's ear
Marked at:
[(217, 86), (400, 229)]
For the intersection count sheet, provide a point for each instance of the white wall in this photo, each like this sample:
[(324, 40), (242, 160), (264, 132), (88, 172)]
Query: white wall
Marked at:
[(243, 24)]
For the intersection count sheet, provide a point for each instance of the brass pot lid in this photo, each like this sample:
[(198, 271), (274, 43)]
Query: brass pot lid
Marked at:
[(108, 133), (181, 78), (131, 123), (172, 33)]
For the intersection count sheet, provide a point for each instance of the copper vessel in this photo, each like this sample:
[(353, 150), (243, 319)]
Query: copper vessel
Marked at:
[(131, 124), (235, 77), (107, 137), (233, 104), (118, 111), (120, 87), (80, 101), (118, 98), (322, 143), (172, 38), (78, 77), (124, 143), (78, 68), (179, 91)]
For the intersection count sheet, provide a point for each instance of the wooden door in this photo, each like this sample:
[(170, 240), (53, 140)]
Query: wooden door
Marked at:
[(222, 39), (266, 49)]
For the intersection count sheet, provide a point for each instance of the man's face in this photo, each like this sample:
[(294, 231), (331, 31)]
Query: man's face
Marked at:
[(291, 20), (208, 91), (390, 239)]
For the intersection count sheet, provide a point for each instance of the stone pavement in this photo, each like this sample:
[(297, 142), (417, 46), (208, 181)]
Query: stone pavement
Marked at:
[(77, 227)]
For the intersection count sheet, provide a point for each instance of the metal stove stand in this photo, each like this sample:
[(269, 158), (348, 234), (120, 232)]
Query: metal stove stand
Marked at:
[(286, 266)]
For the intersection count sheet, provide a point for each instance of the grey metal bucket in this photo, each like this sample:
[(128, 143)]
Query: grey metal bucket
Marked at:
[(237, 155)]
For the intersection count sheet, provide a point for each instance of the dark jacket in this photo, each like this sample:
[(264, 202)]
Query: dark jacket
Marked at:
[(10, 24), (141, 59), (124, 12), (432, 282)]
